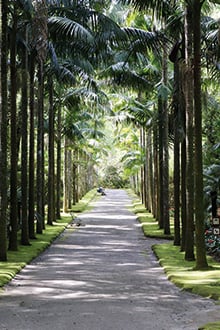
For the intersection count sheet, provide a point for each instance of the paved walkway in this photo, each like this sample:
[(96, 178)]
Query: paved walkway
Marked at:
[(102, 276)]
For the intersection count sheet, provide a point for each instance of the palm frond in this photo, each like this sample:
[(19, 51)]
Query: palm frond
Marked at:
[(66, 28), (73, 131), (79, 50), (162, 8), (106, 28), (120, 74), (211, 51), (62, 72), (142, 41), (133, 159), (141, 113)]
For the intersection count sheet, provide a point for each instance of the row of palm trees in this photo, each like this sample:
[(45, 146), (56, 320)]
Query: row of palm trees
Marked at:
[(47, 63), (183, 25), (54, 55), (50, 54)]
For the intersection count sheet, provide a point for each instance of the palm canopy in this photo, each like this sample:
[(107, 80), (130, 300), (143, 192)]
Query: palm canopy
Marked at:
[(162, 8)]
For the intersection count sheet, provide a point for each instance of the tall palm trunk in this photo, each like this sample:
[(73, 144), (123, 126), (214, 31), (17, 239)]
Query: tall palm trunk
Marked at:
[(176, 180), (40, 150), (31, 192), (150, 171), (13, 242), (65, 176), (3, 131), (183, 190), (69, 176), (24, 158), (51, 186), (166, 217), (75, 177), (58, 162), (160, 161), (201, 261), (155, 173), (40, 43), (144, 170), (68, 170), (189, 248), (183, 165)]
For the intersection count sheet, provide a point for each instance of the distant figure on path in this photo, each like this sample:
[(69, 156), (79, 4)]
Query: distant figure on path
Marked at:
[(101, 191)]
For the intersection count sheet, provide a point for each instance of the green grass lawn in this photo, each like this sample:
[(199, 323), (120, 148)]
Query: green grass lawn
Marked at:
[(178, 270), (19, 259)]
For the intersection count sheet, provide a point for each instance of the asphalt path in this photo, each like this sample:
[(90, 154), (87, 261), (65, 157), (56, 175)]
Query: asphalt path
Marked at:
[(101, 275)]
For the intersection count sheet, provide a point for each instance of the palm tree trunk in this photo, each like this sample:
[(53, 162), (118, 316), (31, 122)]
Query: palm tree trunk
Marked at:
[(144, 170), (75, 199), (51, 186), (65, 178), (176, 180), (189, 248), (31, 192), (24, 165), (148, 147), (40, 151), (69, 177), (183, 168), (40, 32), (160, 166), (58, 162), (151, 171), (156, 173), (3, 131), (166, 216), (201, 261), (13, 242)]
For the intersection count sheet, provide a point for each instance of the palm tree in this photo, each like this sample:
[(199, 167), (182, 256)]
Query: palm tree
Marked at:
[(24, 163), (58, 164), (158, 7), (189, 248), (18, 45), (3, 132), (13, 242), (31, 187), (40, 32), (51, 158), (201, 261)]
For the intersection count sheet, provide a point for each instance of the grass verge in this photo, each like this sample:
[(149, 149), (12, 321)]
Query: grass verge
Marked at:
[(25, 254), (148, 223)]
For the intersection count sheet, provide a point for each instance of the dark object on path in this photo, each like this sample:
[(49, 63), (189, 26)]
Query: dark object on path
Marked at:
[(101, 191), (75, 221)]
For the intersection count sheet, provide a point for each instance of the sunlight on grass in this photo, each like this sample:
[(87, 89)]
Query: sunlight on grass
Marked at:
[(182, 273), (210, 326), (149, 224)]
